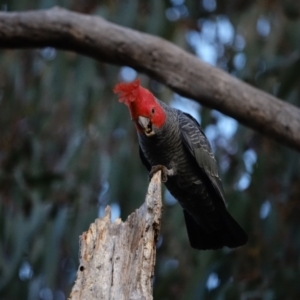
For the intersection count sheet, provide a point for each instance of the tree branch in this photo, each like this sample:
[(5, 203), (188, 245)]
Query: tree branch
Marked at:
[(181, 71), (117, 259)]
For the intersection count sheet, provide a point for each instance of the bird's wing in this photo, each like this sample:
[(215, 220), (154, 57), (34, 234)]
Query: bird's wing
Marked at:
[(144, 159), (198, 146)]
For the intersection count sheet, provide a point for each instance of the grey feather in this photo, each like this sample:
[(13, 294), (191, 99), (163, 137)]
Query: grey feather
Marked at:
[(197, 144)]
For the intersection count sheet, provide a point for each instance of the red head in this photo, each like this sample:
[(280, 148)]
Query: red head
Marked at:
[(145, 111)]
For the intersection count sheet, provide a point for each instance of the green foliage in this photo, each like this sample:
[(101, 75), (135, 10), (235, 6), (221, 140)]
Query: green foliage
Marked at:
[(68, 148)]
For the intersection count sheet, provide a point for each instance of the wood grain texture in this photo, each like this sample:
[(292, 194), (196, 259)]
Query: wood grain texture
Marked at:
[(117, 259), (160, 59)]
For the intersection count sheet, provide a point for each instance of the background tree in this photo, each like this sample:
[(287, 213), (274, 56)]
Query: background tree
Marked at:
[(67, 150)]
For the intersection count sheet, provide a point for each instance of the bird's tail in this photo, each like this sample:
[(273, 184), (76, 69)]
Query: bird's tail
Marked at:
[(229, 234)]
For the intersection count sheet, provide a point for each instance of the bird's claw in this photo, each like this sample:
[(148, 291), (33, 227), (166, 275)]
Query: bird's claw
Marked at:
[(164, 172)]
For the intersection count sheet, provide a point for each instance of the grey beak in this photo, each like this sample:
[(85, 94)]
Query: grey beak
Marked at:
[(144, 122)]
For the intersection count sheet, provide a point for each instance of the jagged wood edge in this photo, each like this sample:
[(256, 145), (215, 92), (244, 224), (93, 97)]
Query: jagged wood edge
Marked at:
[(117, 259)]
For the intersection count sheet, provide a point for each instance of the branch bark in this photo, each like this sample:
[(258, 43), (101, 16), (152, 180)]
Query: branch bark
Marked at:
[(117, 259), (181, 71)]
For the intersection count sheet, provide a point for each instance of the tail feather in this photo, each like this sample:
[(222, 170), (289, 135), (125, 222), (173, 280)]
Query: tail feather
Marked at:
[(230, 233)]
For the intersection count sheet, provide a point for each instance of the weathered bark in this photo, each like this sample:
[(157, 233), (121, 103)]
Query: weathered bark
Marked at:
[(183, 72), (117, 259)]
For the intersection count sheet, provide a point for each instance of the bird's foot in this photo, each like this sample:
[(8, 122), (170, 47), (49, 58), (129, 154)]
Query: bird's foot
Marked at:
[(165, 172)]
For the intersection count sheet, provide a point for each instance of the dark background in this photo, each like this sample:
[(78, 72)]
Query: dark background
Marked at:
[(68, 149)]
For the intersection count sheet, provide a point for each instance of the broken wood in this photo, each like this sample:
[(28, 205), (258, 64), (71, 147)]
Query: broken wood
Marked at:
[(117, 258)]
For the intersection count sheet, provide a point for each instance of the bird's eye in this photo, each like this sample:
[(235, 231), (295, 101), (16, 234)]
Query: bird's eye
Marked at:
[(153, 110)]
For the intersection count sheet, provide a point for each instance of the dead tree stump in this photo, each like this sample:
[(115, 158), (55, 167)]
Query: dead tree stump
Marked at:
[(117, 259)]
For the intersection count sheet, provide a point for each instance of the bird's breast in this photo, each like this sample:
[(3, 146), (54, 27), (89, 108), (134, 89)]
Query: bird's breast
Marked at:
[(162, 150), (170, 152)]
